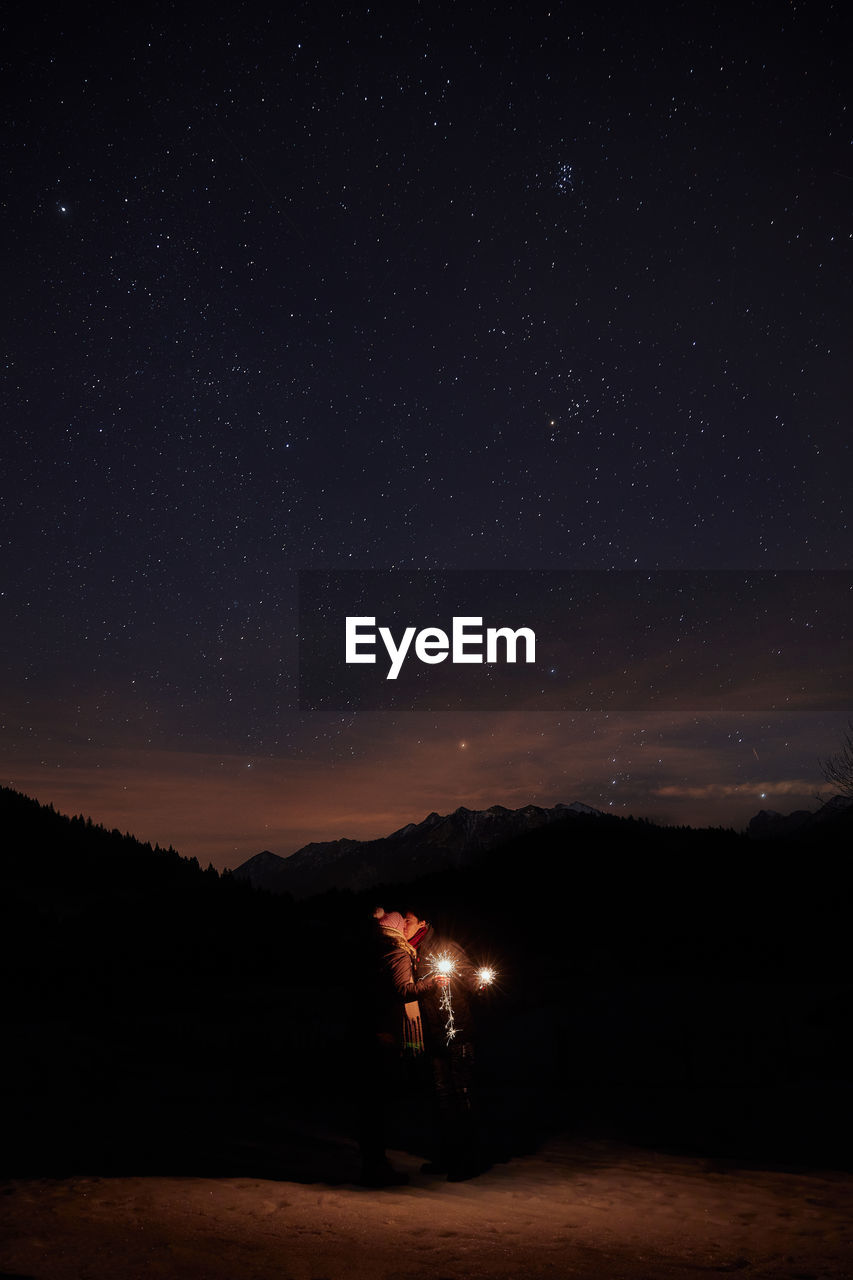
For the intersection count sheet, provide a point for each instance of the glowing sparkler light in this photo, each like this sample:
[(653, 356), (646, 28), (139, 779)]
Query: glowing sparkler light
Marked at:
[(485, 976), (444, 966)]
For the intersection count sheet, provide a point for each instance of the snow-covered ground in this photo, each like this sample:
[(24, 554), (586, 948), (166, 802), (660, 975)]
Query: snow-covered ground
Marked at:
[(585, 1209)]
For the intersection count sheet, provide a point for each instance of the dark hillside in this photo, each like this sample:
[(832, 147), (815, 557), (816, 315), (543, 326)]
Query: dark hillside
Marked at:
[(675, 987)]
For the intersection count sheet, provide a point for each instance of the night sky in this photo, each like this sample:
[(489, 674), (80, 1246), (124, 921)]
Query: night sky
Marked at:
[(417, 287)]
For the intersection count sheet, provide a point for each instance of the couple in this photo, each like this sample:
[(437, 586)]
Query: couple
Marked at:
[(408, 1021), (405, 978)]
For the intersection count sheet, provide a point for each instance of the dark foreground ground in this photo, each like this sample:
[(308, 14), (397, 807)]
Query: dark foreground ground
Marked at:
[(574, 1208), (269, 1191)]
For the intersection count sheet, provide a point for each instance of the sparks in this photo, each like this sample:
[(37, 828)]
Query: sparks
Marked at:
[(445, 966), (446, 1006)]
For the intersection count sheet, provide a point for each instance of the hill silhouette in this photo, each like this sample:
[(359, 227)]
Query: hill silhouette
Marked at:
[(673, 986)]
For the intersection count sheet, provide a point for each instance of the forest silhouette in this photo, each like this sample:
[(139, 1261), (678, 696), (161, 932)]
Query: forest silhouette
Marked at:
[(685, 989)]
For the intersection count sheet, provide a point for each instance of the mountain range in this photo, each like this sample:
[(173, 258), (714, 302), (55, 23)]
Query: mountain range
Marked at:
[(455, 839), (439, 842), (770, 824)]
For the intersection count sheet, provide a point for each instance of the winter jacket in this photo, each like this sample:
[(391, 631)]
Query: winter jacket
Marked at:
[(393, 987)]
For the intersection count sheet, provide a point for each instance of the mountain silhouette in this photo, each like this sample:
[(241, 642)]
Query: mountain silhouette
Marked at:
[(439, 842), (803, 822)]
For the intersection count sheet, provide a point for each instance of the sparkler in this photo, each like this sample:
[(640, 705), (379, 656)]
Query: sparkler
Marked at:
[(444, 966)]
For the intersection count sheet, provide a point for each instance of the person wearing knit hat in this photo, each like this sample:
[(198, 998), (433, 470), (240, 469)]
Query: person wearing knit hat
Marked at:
[(392, 920), (392, 1032)]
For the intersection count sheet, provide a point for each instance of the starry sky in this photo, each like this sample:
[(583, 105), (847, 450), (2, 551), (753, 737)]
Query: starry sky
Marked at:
[(423, 288)]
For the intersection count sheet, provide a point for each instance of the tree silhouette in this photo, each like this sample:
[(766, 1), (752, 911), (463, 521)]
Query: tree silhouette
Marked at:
[(838, 768)]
